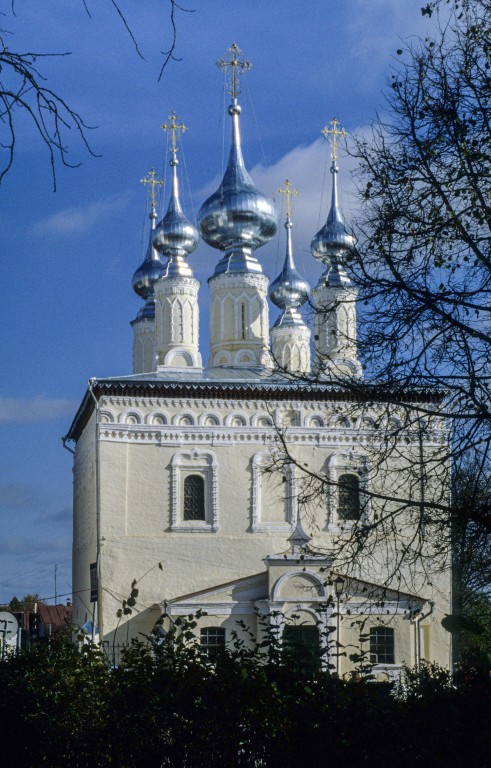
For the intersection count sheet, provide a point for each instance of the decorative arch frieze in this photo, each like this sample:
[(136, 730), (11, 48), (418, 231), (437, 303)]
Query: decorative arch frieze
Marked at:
[(132, 416)]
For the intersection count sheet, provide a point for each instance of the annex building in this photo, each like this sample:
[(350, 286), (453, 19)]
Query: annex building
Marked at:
[(243, 487)]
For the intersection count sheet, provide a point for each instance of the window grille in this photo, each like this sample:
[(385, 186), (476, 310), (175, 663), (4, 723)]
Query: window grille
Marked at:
[(194, 498), (382, 645), (349, 497), (212, 640)]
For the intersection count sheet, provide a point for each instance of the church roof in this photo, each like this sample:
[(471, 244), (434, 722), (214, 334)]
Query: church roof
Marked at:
[(239, 383)]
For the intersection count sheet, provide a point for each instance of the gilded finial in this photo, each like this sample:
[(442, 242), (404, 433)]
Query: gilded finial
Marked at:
[(174, 127), (234, 69), (150, 179), (334, 132), (289, 192)]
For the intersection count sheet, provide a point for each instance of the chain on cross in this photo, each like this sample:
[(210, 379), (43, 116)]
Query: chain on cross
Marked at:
[(334, 132), (150, 179), (289, 192), (174, 127), (234, 69)]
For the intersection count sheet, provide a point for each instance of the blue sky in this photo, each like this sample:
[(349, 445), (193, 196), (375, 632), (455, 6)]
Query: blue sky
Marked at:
[(68, 257)]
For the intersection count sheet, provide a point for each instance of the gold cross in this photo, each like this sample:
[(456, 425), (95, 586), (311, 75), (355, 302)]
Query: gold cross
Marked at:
[(173, 127), (334, 132), (289, 192), (237, 68), (150, 179)]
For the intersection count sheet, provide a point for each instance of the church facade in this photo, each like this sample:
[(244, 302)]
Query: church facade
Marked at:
[(240, 489)]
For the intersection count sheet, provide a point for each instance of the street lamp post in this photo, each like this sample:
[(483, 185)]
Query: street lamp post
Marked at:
[(338, 591)]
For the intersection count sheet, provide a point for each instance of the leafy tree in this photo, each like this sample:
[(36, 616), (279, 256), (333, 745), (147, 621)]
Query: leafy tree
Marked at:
[(27, 603)]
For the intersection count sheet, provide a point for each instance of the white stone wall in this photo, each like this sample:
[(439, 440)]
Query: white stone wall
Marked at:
[(335, 330), (144, 360), (148, 444), (291, 348), (84, 522), (177, 322), (239, 320)]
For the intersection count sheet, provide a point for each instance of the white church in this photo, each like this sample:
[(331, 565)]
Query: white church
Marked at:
[(241, 487)]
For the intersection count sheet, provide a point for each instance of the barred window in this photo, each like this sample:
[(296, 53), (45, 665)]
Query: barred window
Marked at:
[(212, 640), (194, 498), (349, 497), (382, 645)]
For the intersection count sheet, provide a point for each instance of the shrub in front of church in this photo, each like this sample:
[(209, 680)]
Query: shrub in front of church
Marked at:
[(174, 705)]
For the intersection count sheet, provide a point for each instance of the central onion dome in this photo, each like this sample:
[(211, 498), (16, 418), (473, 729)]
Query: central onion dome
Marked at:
[(149, 271), (333, 244), (175, 237), (289, 291), (237, 218)]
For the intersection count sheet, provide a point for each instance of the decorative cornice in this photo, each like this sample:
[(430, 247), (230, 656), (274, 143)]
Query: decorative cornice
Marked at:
[(148, 390), (239, 280)]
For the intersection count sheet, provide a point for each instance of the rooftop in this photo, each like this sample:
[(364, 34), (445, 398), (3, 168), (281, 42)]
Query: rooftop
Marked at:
[(238, 383)]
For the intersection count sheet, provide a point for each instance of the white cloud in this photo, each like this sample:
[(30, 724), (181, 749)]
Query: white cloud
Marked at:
[(82, 219), (38, 408)]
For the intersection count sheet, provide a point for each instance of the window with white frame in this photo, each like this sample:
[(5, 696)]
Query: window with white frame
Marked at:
[(273, 496), (347, 486), (194, 503), (382, 645), (212, 640)]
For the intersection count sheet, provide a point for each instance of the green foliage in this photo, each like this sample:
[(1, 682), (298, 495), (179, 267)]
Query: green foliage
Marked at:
[(426, 682), (26, 604), (169, 704)]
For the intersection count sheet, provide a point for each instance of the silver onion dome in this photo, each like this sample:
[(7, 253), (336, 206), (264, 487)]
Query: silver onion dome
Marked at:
[(175, 236), (147, 274), (333, 243), (289, 291), (237, 218)]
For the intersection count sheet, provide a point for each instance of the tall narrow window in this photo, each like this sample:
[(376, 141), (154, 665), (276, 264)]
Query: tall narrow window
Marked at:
[(194, 498), (382, 645), (242, 320), (349, 497)]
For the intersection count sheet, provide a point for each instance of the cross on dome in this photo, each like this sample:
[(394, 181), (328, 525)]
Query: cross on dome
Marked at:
[(150, 179), (174, 127), (289, 192), (334, 132), (234, 69)]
